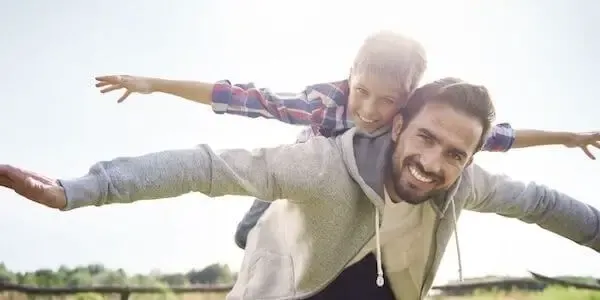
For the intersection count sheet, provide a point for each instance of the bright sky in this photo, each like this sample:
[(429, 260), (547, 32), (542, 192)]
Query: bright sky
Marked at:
[(539, 61)]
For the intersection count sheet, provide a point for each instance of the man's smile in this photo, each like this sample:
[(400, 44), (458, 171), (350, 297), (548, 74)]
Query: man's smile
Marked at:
[(418, 175)]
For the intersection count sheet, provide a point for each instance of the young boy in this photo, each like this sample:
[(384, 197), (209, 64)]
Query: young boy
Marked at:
[(386, 70)]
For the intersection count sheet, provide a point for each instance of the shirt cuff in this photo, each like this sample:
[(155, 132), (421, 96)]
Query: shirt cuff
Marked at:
[(502, 138), (221, 96), (81, 192)]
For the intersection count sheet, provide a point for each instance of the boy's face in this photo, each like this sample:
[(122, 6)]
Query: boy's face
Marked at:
[(374, 100)]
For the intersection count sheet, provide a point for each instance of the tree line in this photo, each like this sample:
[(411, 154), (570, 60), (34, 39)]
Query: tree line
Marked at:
[(98, 275)]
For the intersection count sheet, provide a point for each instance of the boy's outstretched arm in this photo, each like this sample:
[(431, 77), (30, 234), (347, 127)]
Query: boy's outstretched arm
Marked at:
[(196, 91), (321, 105), (269, 174), (500, 139), (530, 138), (503, 137)]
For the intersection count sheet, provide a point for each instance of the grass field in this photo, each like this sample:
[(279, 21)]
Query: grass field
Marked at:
[(190, 296), (552, 293)]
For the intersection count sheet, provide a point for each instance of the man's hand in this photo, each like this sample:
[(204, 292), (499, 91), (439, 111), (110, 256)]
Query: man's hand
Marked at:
[(33, 186), (131, 84), (583, 141)]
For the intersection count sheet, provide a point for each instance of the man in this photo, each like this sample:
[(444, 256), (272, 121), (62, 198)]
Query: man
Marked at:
[(397, 195)]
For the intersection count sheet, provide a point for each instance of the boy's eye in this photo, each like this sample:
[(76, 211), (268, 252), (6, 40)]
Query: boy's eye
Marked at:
[(362, 91)]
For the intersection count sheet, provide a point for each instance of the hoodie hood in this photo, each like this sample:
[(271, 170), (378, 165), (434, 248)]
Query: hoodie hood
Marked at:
[(368, 158)]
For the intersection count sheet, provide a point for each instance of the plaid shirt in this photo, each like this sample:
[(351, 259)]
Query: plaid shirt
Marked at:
[(322, 107)]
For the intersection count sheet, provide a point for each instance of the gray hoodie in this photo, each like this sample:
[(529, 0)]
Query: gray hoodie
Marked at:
[(334, 188)]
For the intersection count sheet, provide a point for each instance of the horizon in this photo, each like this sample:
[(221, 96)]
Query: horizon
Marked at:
[(538, 62)]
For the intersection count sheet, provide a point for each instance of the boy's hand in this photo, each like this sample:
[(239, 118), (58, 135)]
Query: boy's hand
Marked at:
[(33, 186), (583, 141), (131, 84)]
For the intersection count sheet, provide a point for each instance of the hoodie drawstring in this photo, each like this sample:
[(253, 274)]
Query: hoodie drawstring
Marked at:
[(380, 281), (460, 270)]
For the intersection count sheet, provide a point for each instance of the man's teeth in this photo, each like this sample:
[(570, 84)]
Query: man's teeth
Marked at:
[(418, 175), (366, 120)]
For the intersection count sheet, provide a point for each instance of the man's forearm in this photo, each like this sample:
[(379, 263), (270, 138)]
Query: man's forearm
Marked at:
[(534, 203), (152, 176), (172, 173), (196, 91), (530, 138)]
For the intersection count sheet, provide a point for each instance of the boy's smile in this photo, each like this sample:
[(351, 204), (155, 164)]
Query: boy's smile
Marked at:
[(365, 120), (374, 100)]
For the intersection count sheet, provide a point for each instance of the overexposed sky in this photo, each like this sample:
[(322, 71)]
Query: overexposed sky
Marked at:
[(538, 59)]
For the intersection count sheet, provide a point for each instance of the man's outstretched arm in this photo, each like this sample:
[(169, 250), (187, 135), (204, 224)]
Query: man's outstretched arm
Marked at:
[(534, 203), (268, 173)]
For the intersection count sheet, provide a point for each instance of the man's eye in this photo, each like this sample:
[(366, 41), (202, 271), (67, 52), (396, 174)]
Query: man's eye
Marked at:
[(426, 139), (456, 157)]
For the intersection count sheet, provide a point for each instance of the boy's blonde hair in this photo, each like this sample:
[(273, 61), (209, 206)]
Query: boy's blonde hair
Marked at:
[(387, 53)]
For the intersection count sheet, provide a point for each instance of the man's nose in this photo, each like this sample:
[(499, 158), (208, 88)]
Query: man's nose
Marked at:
[(431, 161)]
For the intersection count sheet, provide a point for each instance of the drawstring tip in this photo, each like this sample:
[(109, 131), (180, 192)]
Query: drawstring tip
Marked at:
[(379, 281)]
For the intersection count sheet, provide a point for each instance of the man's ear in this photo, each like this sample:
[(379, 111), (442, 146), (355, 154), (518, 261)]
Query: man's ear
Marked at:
[(397, 124)]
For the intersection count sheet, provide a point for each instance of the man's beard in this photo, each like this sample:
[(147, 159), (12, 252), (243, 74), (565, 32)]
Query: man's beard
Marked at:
[(409, 197), (406, 194)]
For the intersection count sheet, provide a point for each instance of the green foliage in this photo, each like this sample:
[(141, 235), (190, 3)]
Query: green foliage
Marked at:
[(98, 275), (6, 275), (550, 293), (559, 293), (88, 296)]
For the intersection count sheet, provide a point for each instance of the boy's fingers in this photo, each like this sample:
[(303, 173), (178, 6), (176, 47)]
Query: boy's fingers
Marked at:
[(102, 83), (587, 152), (110, 79), (125, 95), (111, 88)]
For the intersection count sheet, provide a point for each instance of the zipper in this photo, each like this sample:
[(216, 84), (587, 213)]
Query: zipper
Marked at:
[(432, 250)]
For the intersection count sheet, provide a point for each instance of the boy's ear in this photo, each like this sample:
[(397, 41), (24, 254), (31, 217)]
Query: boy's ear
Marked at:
[(397, 124)]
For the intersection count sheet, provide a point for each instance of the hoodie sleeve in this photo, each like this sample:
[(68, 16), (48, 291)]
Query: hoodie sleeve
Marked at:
[(535, 203), (286, 171)]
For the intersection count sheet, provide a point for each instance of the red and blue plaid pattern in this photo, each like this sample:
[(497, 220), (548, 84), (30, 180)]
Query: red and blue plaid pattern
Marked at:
[(320, 106)]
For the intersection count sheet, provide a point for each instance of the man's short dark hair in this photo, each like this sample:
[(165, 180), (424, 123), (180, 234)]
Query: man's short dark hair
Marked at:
[(474, 100)]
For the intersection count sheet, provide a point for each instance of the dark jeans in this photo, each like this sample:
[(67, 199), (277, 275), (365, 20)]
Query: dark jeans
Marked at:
[(250, 219), (357, 283)]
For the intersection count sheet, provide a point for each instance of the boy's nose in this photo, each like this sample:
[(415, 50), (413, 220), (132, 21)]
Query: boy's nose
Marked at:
[(370, 110)]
